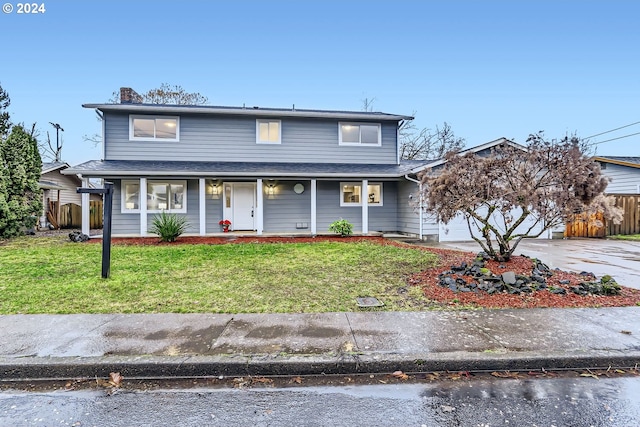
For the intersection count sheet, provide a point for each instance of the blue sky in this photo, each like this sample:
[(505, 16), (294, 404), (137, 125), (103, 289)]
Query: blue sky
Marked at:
[(488, 68)]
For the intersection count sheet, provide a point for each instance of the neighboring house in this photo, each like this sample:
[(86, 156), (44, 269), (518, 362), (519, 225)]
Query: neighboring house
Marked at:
[(457, 229), (624, 173), (58, 188), (625, 186)]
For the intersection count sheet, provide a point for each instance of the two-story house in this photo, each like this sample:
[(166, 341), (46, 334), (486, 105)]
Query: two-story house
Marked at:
[(266, 170)]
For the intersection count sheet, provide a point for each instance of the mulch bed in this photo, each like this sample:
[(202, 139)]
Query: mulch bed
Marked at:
[(211, 240), (428, 279)]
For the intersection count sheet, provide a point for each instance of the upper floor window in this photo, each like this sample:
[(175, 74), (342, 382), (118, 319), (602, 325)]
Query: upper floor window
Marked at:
[(359, 134), (152, 128), (268, 131)]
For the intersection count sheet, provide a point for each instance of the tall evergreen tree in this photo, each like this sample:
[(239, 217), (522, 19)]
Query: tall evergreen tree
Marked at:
[(5, 124), (20, 168)]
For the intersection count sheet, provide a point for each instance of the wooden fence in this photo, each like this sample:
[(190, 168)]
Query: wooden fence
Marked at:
[(71, 215), (597, 226), (630, 204), (95, 214), (584, 225)]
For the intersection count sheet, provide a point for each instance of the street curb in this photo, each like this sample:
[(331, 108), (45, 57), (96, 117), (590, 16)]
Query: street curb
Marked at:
[(13, 369)]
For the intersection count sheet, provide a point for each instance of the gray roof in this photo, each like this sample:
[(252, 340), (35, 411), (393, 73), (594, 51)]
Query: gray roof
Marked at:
[(624, 159), (49, 185), (135, 168), (248, 111), (50, 166)]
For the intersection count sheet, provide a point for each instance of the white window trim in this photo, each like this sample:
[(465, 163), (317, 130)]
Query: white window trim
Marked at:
[(144, 116), (259, 141), (123, 206), (359, 183), (169, 181), (359, 144)]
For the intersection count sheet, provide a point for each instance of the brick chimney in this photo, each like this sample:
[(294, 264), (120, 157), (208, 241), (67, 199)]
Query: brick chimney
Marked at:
[(129, 96)]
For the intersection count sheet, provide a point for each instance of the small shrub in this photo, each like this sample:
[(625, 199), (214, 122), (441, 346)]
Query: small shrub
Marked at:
[(168, 226), (342, 227)]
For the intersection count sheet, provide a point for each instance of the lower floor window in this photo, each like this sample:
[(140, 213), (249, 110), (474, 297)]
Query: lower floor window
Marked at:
[(170, 196), (351, 194)]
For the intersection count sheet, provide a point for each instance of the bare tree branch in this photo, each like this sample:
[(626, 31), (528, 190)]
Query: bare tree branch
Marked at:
[(545, 183)]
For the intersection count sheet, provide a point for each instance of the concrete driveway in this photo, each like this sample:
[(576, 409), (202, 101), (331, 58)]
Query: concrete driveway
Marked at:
[(618, 258)]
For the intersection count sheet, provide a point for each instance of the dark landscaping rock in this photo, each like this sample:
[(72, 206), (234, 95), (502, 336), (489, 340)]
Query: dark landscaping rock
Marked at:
[(587, 275), (538, 278), (78, 237), (564, 282), (461, 267), (558, 291), (543, 269), (579, 290), (484, 256), (509, 278), (513, 290)]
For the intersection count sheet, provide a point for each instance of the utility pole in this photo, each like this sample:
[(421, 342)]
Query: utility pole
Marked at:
[(58, 147)]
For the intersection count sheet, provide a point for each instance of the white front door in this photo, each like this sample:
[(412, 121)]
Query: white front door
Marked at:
[(244, 196)]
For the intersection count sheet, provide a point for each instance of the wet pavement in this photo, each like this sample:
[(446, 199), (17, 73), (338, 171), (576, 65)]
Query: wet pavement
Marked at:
[(617, 258), (491, 402), (169, 345)]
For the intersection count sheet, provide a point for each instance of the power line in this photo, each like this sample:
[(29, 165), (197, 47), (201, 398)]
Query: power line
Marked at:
[(612, 130), (613, 139)]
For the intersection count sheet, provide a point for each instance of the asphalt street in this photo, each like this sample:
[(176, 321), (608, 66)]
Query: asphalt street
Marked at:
[(479, 403)]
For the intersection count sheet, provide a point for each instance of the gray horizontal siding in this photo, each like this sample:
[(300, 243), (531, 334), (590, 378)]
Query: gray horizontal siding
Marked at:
[(285, 208), (123, 223), (408, 217), (213, 212), (233, 139), (193, 207), (385, 217), (624, 179), (328, 208)]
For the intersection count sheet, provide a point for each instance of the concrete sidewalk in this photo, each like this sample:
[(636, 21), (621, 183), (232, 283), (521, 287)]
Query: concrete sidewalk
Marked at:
[(157, 345)]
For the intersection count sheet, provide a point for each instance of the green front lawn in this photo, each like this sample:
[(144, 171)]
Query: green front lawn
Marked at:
[(49, 275), (632, 237)]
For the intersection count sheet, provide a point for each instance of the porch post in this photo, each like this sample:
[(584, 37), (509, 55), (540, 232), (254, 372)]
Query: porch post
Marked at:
[(259, 207), (421, 214), (314, 219), (365, 206), (85, 207), (143, 206), (202, 200)]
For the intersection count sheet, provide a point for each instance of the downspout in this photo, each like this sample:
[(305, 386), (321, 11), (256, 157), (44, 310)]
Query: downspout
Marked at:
[(408, 178), (398, 141), (104, 147)]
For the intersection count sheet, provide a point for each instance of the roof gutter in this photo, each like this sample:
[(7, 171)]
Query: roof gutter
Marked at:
[(408, 178)]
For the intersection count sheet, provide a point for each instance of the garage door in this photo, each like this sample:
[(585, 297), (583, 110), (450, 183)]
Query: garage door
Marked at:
[(457, 230)]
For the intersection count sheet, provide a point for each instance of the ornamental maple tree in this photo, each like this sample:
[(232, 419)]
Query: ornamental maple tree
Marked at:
[(518, 192)]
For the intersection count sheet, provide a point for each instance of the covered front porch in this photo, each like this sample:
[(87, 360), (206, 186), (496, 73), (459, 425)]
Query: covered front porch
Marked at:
[(260, 206)]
